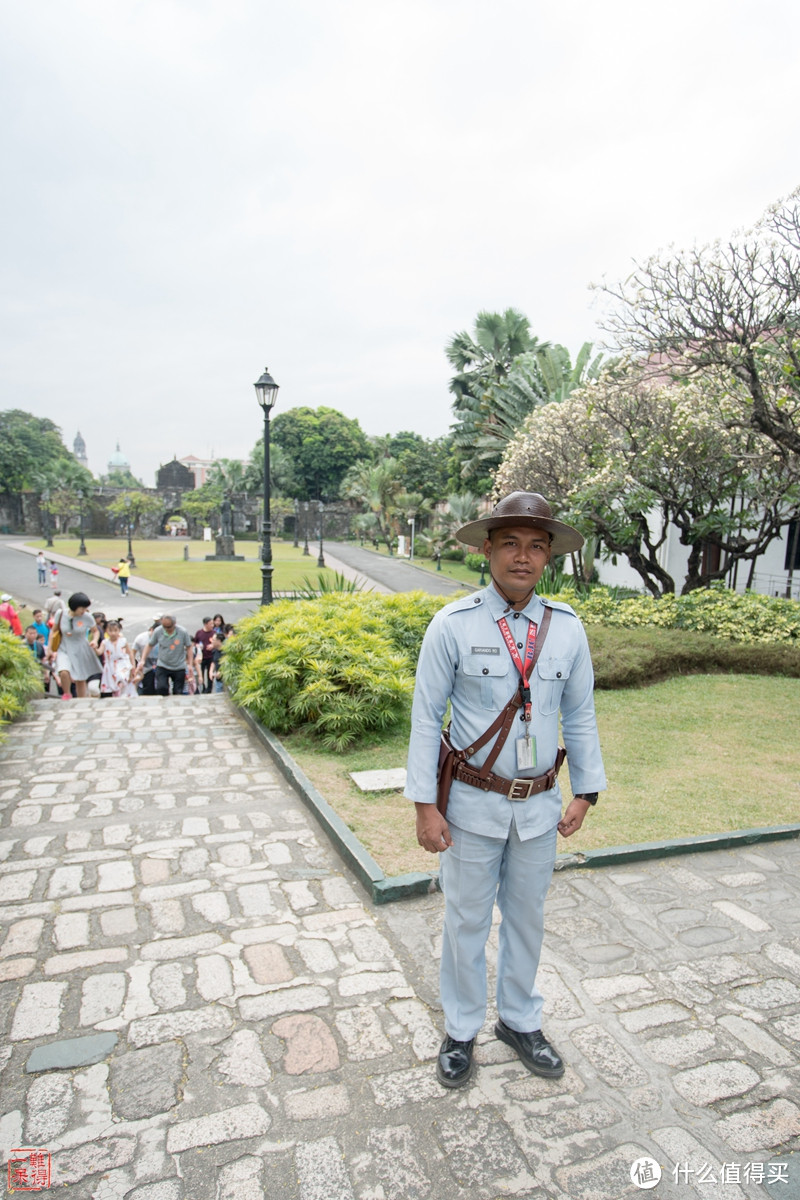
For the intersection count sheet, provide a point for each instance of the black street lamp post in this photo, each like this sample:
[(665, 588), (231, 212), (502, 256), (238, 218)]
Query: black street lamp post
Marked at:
[(267, 392), (82, 551), (131, 559), (296, 524), (306, 550), (321, 559), (47, 524)]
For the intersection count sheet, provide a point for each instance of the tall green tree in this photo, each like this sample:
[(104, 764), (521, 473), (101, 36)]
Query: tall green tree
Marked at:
[(29, 447), (376, 487), (322, 445)]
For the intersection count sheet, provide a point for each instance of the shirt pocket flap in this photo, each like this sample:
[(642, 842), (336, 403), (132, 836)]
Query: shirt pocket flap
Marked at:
[(485, 664), (553, 668)]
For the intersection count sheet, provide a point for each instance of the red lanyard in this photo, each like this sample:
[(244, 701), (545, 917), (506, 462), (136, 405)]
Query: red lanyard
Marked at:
[(522, 667)]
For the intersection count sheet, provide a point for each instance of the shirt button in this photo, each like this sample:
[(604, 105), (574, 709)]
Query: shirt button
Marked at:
[(486, 670), (558, 674), (516, 616), (519, 645)]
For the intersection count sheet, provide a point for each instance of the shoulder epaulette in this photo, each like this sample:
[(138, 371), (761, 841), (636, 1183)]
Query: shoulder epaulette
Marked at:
[(559, 606)]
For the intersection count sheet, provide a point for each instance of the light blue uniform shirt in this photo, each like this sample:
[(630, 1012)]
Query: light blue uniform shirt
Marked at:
[(465, 660)]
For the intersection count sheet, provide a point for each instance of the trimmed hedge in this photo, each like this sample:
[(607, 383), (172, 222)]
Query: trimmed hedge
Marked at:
[(716, 611), (20, 677)]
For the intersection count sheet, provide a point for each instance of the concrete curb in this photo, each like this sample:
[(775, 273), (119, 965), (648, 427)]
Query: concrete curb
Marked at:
[(382, 888)]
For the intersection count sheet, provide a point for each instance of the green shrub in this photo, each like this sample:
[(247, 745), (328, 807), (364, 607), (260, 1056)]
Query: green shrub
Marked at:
[(341, 664), (474, 561), (20, 676), (454, 554), (716, 611)]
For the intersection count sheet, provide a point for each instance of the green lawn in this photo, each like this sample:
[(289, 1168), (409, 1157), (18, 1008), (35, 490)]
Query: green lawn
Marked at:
[(683, 757), (163, 562)]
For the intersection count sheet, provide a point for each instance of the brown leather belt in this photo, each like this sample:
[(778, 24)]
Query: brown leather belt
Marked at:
[(514, 789)]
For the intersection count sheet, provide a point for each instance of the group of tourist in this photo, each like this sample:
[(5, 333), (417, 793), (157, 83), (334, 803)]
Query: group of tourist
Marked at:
[(83, 653)]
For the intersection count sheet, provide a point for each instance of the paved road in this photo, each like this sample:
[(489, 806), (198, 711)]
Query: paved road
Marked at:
[(395, 575), (257, 1029)]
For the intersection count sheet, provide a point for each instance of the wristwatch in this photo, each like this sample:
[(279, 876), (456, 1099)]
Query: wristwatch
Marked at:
[(589, 797)]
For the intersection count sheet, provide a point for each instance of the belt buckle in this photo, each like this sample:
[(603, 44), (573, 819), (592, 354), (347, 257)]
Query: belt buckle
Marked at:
[(526, 784)]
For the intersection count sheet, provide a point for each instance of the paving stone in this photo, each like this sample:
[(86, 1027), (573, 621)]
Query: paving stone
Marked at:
[(742, 915), (48, 1106), (652, 1015), (241, 1179), (303, 998), (228, 1125), (681, 1049), (771, 993), (310, 1046), (62, 964), (213, 907), (38, 1012), (607, 1057), (18, 886), (72, 1052), (480, 1151), (685, 1151), (321, 1172), (761, 1128), (268, 964), (22, 938), (70, 1166), (362, 1033), (149, 1031), (715, 1081), (165, 1189), (242, 1060), (71, 930), (755, 1038), (186, 947), (102, 997), (146, 1082)]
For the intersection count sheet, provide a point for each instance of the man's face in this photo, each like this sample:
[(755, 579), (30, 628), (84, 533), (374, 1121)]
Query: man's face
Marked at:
[(167, 624), (517, 556), (208, 625), (30, 636), (37, 614)]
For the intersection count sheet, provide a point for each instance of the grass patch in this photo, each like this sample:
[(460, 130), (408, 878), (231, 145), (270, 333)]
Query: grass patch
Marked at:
[(683, 757), (163, 562)]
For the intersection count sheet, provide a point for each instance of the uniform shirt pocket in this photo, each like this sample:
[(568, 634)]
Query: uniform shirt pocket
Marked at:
[(487, 678), (552, 674)]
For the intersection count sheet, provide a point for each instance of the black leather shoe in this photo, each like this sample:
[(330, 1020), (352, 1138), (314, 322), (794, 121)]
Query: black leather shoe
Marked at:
[(534, 1049), (454, 1065)]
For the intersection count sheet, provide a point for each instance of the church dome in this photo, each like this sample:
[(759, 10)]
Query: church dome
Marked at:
[(118, 461)]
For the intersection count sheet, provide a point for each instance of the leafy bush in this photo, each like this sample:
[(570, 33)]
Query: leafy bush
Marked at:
[(454, 554), (20, 676), (716, 611), (340, 664), (474, 561)]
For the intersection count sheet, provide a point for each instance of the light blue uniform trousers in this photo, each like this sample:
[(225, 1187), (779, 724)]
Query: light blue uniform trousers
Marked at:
[(474, 872)]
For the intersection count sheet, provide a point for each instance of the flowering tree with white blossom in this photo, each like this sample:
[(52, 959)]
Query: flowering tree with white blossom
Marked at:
[(628, 456)]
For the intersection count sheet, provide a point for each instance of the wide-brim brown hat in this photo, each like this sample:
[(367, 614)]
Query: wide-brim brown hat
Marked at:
[(523, 508)]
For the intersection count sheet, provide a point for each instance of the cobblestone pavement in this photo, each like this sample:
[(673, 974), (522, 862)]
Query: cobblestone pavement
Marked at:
[(197, 1003)]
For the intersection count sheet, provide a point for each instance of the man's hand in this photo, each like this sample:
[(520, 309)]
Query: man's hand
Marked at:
[(433, 833), (573, 818)]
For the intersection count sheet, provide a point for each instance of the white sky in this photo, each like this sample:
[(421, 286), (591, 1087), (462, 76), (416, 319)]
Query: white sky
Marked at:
[(193, 189)]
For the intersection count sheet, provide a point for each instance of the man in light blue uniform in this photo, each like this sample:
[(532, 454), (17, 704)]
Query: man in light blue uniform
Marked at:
[(498, 842)]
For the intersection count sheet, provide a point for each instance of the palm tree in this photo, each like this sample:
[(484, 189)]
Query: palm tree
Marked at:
[(376, 486), (229, 474)]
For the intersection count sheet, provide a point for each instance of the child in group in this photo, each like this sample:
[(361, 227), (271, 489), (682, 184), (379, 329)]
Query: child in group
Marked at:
[(53, 574), (118, 664), (216, 661)]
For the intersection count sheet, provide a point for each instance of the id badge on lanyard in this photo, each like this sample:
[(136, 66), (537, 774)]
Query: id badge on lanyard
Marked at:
[(525, 746)]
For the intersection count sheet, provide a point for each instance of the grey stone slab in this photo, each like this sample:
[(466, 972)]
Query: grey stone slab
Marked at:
[(146, 1082), (380, 781), (72, 1052)]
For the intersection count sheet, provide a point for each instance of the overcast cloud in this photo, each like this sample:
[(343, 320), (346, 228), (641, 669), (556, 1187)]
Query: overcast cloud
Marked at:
[(194, 189)]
